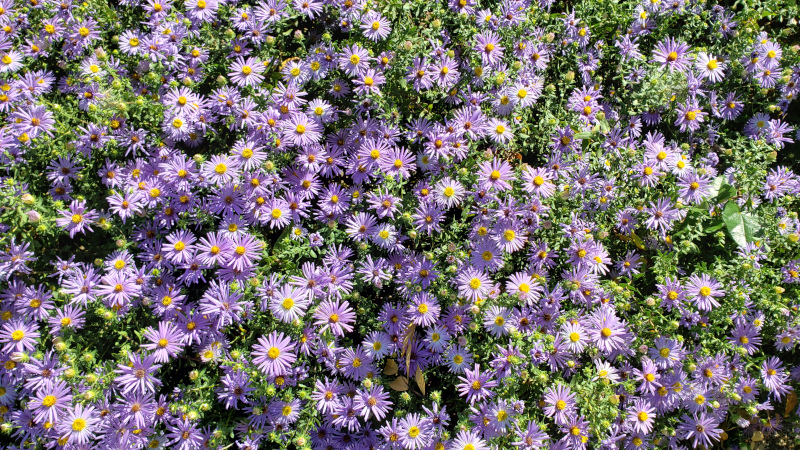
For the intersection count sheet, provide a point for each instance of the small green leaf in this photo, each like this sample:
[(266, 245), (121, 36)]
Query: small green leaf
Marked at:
[(715, 227), (583, 135)]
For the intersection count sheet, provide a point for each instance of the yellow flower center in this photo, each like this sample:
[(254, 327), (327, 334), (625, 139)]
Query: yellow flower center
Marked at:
[(273, 352), (78, 424)]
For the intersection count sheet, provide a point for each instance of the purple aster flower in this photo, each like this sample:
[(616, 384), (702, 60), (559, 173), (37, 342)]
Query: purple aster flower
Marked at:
[(138, 375), (690, 116), (336, 316), (702, 290), (702, 429), (775, 378), (165, 343), (642, 415), (495, 174), (373, 401), (487, 44), (709, 67), (415, 432), (473, 284), (246, 72), (672, 54), (51, 402), (235, 388), (17, 335), (745, 335), (375, 26), (476, 385), (246, 252), (274, 354), (78, 425), (560, 403), (661, 214), (77, 218), (184, 435), (693, 187)]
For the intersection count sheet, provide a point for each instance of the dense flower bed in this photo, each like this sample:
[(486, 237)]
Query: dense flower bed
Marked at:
[(349, 224)]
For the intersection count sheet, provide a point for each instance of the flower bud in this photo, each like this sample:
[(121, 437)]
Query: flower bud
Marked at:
[(20, 357), (570, 76), (34, 216), (193, 375)]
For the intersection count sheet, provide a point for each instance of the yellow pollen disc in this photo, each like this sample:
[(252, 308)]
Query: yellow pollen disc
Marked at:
[(561, 404), (77, 218), (220, 168), (474, 283), (574, 337), (49, 401), (78, 424), (287, 303), (273, 352), (606, 332), (240, 250)]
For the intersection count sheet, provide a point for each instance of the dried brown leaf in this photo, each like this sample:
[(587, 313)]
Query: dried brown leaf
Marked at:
[(390, 368), (400, 384), (420, 379)]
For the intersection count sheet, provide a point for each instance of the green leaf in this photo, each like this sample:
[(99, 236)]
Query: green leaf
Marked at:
[(735, 223), (716, 226), (583, 135), (752, 229)]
